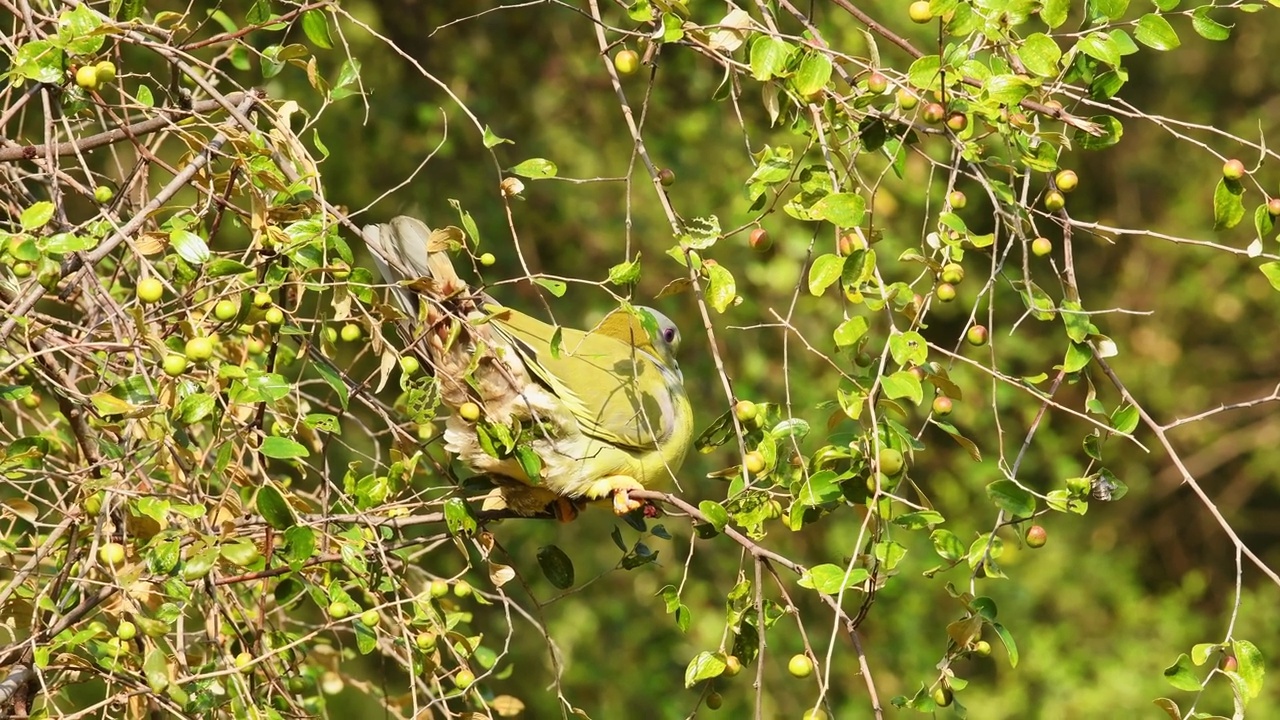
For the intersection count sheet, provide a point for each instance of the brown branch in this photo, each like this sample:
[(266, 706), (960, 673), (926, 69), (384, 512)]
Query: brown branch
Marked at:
[(168, 117)]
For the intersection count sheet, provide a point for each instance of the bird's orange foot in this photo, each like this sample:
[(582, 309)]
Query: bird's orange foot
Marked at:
[(619, 488)]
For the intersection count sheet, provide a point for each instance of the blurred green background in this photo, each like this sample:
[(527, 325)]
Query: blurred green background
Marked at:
[(1114, 597)]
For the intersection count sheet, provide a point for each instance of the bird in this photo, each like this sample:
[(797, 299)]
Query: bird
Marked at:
[(565, 415)]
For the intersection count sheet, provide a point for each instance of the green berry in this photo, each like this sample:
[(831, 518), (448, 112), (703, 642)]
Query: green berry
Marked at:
[(919, 12), (106, 71), (1233, 169), (199, 349), (877, 83), (626, 62), (976, 336), (946, 292), (488, 259), (469, 411), (174, 365), (87, 77), (891, 461), (1041, 246), (1066, 180), (339, 610), (149, 290), (942, 406), (957, 200), (111, 553), (103, 194), (1054, 201), (409, 365), (351, 332), (225, 310), (274, 316), (952, 273), (800, 666)]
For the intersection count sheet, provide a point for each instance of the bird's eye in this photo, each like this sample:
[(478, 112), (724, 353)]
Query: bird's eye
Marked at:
[(669, 335)]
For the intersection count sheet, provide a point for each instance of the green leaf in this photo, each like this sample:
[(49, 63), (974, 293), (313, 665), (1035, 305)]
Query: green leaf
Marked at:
[(1207, 27), (714, 513), (1110, 9), (844, 210), (1012, 499), (1181, 676), (830, 579), (703, 667), (535, 169), (1007, 89), (37, 215), (824, 271), (283, 448), (1155, 32), (813, 75), (145, 99), (721, 288), (908, 348), (1169, 707), (1263, 222), (335, 382), (1009, 645), (194, 408), (902, 384), (1078, 356), (1054, 12), (156, 668), (1228, 204), (1101, 47), (189, 246), (851, 331), (555, 287), (316, 27), (221, 267), (770, 57), (924, 72), (625, 273), (1111, 132), (947, 545), (820, 488), (1272, 271), (458, 517), (556, 566), (492, 140), (1251, 666), (1125, 419), (274, 508), (919, 520)]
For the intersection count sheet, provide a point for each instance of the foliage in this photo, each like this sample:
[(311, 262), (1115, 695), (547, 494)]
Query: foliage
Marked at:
[(222, 491)]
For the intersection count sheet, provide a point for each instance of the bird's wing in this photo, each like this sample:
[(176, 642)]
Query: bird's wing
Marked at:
[(617, 392)]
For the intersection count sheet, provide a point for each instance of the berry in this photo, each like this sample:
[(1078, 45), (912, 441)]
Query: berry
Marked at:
[(469, 411), (409, 365), (890, 461), (946, 292), (106, 71), (111, 553), (957, 200), (714, 700), (426, 641), (370, 618), (464, 679), (800, 666), (274, 316), (338, 610), (1233, 169), (261, 299), (488, 259), (850, 243), (952, 273), (462, 589), (760, 240), (814, 714), (149, 290), (957, 121), (667, 177), (351, 332), (754, 462), (982, 648), (1066, 180), (22, 269), (942, 406), (933, 113), (626, 62), (1054, 201), (1041, 246), (906, 100), (225, 310), (943, 696), (1036, 536), (126, 630), (1273, 206), (199, 349), (746, 411), (1230, 664), (243, 660), (87, 77), (174, 365), (920, 12), (103, 194), (732, 666), (976, 336), (877, 83), (439, 588)]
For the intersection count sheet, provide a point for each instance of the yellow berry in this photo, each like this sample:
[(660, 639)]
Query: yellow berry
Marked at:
[(800, 666), (87, 77), (469, 411), (199, 349), (149, 290)]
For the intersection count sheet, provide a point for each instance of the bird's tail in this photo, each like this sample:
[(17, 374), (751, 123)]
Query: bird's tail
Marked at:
[(406, 249)]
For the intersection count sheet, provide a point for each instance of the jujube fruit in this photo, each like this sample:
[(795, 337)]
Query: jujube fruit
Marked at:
[(890, 461), (800, 666), (1036, 536), (877, 83), (952, 273), (1041, 246), (942, 406), (919, 12), (1233, 169), (150, 290), (199, 349), (976, 336), (626, 62), (1054, 201), (933, 113), (1066, 180)]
